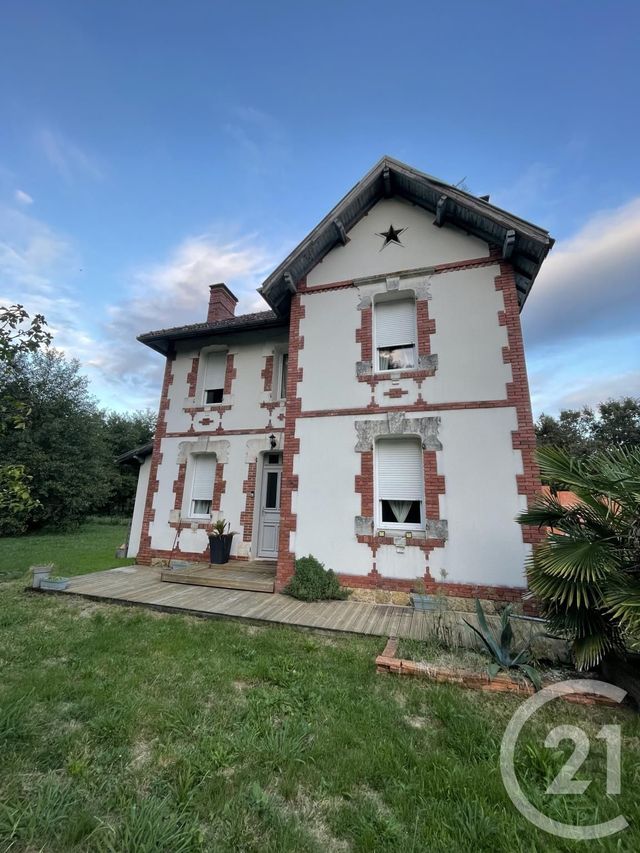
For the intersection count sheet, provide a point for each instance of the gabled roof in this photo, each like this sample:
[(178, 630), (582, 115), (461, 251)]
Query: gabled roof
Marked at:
[(523, 243), (161, 339)]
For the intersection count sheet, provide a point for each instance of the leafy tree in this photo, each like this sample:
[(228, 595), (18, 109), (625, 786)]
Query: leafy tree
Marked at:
[(618, 423), (62, 448), (615, 423), (586, 573), (120, 433), (19, 334)]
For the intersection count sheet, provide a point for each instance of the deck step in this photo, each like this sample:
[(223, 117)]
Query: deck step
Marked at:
[(252, 581)]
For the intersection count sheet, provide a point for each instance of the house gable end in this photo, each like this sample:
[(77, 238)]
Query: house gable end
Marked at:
[(521, 242)]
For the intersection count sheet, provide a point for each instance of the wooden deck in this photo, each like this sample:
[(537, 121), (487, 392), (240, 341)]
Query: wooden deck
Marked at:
[(254, 576), (142, 585)]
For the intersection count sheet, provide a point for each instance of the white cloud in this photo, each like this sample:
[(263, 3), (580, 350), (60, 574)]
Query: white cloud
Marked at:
[(22, 197), (580, 322), (173, 293), (589, 286), (67, 157), (36, 266)]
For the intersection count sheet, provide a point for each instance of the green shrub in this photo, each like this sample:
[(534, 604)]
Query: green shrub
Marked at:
[(312, 582)]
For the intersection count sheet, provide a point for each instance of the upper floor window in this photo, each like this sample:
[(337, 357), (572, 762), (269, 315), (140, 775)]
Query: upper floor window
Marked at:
[(282, 375), (395, 333), (214, 371), (202, 482), (400, 483)]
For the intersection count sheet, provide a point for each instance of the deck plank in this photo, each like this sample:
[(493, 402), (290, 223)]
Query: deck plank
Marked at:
[(143, 586)]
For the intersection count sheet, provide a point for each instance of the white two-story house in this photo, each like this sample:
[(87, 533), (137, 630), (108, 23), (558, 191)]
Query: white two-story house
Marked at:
[(377, 415)]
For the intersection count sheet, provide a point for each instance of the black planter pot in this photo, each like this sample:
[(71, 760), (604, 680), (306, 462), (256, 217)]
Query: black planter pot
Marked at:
[(220, 548)]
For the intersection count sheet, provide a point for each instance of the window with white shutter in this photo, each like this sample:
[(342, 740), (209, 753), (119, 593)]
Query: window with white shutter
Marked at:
[(395, 333), (204, 474), (215, 365), (400, 482)]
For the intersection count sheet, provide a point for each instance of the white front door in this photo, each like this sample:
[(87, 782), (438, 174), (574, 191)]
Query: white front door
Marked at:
[(269, 527)]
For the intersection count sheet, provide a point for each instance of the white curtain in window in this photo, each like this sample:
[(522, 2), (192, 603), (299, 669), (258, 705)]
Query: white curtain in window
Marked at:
[(215, 367), (395, 323), (400, 509), (204, 475), (400, 472)]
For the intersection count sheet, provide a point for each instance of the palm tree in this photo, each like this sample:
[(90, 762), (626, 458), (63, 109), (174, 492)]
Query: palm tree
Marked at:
[(585, 575)]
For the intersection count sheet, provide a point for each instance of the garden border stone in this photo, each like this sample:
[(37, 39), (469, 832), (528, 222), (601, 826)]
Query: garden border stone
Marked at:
[(387, 662)]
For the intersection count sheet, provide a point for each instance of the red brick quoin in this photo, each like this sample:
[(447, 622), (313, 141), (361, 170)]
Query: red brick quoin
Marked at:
[(144, 551), (286, 558)]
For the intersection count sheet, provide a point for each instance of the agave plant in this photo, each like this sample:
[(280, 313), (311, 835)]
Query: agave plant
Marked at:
[(500, 646), (586, 573)]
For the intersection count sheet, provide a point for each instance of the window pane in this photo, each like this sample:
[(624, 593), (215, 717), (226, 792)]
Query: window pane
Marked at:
[(273, 459), (400, 512), (396, 358), (214, 395), (283, 375), (201, 507), (271, 499)]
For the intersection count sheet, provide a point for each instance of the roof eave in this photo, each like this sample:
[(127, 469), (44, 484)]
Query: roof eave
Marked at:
[(137, 454), (528, 249), (162, 341)]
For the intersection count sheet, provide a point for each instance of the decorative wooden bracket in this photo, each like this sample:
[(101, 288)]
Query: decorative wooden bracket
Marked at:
[(288, 280), (509, 244), (441, 210), (342, 234), (386, 181)]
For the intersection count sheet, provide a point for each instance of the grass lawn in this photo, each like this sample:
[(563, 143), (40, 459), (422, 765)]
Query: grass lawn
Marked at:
[(88, 549), (127, 730)]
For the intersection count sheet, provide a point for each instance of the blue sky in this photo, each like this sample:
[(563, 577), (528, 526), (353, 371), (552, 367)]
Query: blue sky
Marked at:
[(148, 149)]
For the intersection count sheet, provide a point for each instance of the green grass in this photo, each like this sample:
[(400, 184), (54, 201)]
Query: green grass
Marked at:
[(90, 548), (126, 730)]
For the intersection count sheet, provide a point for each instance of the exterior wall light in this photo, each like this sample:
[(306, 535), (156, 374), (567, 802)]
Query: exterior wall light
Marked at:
[(408, 535), (272, 441)]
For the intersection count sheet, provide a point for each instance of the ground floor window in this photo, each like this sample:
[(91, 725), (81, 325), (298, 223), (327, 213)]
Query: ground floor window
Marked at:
[(203, 478), (400, 482)]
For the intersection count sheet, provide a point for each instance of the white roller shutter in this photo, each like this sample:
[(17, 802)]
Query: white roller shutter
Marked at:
[(215, 367), (400, 471), (395, 323), (204, 475)]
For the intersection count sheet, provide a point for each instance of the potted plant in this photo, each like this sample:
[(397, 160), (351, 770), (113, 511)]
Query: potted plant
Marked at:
[(54, 582), (419, 599), (39, 574), (220, 538)]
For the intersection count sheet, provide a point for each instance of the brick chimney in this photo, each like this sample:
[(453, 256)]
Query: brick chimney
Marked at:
[(222, 303)]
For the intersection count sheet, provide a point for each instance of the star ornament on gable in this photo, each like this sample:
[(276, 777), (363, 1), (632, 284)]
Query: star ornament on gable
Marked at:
[(391, 236)]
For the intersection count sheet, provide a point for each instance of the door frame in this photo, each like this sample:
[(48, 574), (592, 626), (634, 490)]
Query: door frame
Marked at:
[(265, 467)]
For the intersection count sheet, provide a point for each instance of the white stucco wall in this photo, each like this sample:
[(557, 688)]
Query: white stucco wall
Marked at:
[(481, 501), (423, 245), (468, 342), (138, 508), (468, 339), (326, 503), (239, 451), (247, 392)]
